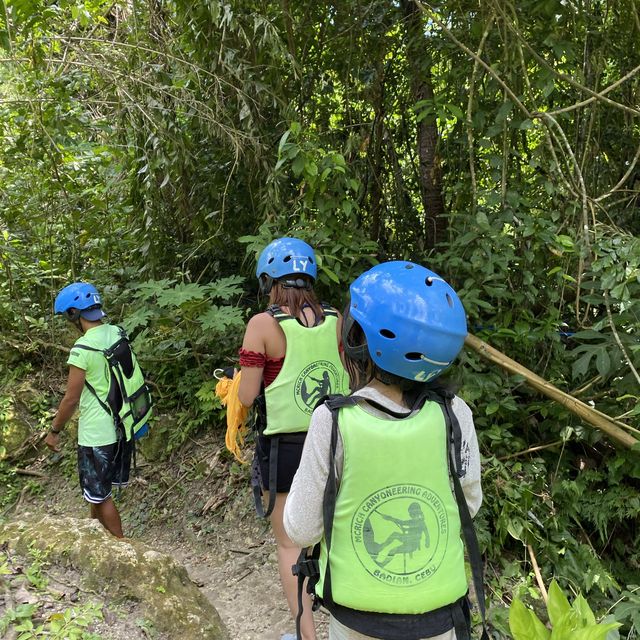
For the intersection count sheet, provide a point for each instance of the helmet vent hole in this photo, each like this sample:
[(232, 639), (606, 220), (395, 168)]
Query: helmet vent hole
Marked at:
[(413, 356), (286, 259), (408, 266), (310, 259), (387, 334), (77, 298), (429, 281), (271, 259), (449, 300), (378, 353)]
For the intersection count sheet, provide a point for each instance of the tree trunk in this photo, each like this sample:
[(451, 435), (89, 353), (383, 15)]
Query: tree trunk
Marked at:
[(429, 171)]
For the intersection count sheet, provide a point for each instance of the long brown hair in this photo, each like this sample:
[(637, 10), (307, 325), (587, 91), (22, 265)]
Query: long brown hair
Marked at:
[(295, 299)]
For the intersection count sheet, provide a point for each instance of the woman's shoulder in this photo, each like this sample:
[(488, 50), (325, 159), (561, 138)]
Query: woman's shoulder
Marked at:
[(261, 320)]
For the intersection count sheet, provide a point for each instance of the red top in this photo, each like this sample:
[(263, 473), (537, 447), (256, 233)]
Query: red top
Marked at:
[(271, 366)]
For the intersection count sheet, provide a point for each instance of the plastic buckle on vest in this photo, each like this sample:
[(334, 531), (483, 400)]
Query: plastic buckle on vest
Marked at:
[(309, 568)]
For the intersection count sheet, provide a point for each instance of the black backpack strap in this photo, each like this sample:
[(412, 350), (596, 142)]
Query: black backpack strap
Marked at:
[(87, 348), (277, 313), (328, 310), (334, 404), (454, 437), (103, 404)]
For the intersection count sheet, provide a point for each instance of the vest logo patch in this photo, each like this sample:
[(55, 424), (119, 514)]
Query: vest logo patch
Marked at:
[(318, 379), (400, 534)]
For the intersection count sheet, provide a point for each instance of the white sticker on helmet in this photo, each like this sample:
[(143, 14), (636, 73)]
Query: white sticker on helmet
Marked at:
[(300, 265)]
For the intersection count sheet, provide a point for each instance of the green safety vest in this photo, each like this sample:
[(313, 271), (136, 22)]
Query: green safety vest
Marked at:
[(312, 369), (128, 401), (395, 541)]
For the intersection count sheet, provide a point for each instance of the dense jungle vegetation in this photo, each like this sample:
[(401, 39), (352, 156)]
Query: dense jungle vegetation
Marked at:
[(152, 147)]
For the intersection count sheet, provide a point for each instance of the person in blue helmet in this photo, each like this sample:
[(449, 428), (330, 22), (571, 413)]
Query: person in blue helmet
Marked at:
[(289, 359), (103, 457), (390, 475)]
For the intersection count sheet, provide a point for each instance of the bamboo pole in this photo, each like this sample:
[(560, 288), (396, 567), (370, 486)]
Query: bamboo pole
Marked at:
[(584, 411)]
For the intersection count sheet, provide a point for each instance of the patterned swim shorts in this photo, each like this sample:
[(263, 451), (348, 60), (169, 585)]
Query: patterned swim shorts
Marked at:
[(101, 468)]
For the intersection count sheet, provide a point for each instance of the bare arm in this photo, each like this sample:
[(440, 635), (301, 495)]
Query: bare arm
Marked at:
[(254, 340), (67, 406)]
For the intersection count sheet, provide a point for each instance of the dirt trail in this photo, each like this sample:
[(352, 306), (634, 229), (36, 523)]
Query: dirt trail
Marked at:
[(228, 552)]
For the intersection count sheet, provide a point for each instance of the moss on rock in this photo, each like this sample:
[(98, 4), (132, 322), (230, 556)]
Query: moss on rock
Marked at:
[(124, 570)]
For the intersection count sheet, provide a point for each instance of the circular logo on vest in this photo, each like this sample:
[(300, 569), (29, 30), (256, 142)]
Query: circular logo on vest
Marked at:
[(317, 380), (399, 534)]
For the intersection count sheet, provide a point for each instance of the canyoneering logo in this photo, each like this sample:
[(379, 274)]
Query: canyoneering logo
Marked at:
[(317, 380), (400, 534)]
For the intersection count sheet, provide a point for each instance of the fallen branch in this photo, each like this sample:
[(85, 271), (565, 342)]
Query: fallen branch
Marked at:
[(539, 447), (30, 343), (585, 412), (156, 504), (32, 442), (536, 571), (31, 472)]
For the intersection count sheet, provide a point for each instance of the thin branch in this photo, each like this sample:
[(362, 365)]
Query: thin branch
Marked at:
[(469, 122), (594, 95), (617, 337), (431, 12), (539, 447), (536, 571), (623, 179)]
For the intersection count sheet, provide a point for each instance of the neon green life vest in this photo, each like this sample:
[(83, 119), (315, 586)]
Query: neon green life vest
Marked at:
[(128, 401), (311, 370), (395, 543)]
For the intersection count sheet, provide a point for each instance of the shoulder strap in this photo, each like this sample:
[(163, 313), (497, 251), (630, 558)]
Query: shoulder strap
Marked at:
[(334, 404), (103, 404), (88, 348), (328, 310), (454, 437), (277, 313)]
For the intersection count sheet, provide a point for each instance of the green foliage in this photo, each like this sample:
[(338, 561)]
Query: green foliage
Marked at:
[(568, 622), (627, 609), (155, 149), (26, 620), (183, 331), (70, 624)]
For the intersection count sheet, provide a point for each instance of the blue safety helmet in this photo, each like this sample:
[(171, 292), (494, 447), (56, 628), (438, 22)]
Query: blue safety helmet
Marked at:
[(286, 259), (79, 299), (412, 319)]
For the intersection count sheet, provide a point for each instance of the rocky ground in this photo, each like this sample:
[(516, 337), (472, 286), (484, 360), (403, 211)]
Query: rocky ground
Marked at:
[(196, 508)]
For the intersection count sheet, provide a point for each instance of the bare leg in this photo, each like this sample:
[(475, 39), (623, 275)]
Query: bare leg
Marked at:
[(108, 516), (287, 556)]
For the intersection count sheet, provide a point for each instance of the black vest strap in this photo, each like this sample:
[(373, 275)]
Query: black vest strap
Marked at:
[(276, 312), (273, 482), (468, 530)]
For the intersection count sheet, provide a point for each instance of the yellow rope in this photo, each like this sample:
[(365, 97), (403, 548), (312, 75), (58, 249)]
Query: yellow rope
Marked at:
[(237, 413)]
